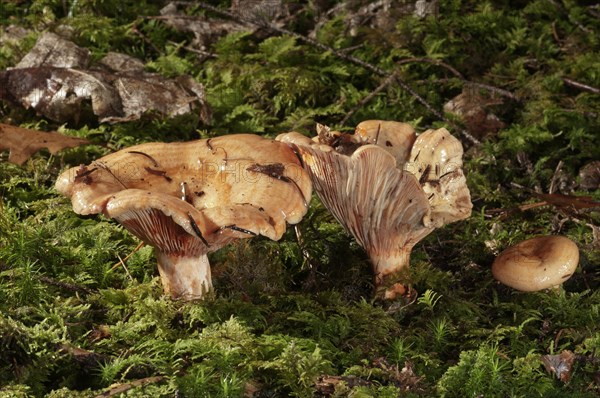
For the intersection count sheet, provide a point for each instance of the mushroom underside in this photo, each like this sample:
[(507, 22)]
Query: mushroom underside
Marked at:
[(381, 206), (387, 187)]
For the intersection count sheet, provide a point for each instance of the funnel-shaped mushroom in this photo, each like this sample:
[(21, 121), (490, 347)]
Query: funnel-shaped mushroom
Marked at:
[(388, 209), (189, 199)]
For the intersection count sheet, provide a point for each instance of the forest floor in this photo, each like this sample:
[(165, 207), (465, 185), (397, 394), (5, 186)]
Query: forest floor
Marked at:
[(82, 312)]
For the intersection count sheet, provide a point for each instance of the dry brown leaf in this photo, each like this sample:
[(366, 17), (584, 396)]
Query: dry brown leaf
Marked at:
[(23, 143), (589, 175), (472, 109), (61, 87), (560, 365)]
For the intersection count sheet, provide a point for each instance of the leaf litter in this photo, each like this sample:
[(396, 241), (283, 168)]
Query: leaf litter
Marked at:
[(56, 80)]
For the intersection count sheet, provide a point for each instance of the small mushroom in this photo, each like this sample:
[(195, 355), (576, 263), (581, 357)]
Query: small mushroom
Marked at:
[(538, 263), (189, 199), (388, 209)]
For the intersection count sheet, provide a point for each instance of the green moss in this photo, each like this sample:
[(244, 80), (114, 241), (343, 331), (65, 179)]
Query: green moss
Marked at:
[(286, 314)]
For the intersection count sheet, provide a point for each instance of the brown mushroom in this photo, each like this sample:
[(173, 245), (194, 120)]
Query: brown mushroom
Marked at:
[(388, 209), (189, 199), (538, 263)]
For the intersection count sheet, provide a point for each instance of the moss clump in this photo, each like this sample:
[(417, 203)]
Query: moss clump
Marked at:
[(288, 316)]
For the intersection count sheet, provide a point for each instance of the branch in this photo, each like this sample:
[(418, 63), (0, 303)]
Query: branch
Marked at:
[(581, 86)]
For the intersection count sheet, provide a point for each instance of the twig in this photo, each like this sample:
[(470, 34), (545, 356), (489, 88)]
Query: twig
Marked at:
[(138, 33), (122, 261), (194, 50), (500, 91), (340, 54), (581, 86), (121, 388), (64, 285), (434, 62), (125, 267), (555, 177), (305, 252), (386, 82), (497, 90)]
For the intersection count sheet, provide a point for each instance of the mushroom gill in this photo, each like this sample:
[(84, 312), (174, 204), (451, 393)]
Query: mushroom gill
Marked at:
[(189, 199), (389, 193)]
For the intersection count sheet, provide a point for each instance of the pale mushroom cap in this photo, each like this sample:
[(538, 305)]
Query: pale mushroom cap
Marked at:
[(228, 170), (395, 137), (436, 161), (188, 199), (537, 263)]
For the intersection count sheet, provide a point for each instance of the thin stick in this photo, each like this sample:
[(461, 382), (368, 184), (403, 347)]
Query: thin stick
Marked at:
[(386, 82), (555, 177), (121, 388), (122, 261), (581, 86), (125, 267), (434, 62)]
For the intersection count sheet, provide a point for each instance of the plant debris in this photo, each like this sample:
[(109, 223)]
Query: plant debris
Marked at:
[(23, 143), (53, 79), (560, 365)]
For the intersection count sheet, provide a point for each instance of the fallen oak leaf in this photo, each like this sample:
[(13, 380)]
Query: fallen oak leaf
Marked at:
[(23, 143), (568, 201)]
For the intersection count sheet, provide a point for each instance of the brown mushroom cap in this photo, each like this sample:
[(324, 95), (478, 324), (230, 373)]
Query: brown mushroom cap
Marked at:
[(188, 199), (537, 263)]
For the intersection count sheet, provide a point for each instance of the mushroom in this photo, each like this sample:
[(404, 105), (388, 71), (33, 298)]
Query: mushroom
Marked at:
[(388, 197), (538, 263), (189, 199)]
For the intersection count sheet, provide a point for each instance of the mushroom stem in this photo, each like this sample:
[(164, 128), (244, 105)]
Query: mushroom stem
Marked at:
[(390, 273), (184, 277)]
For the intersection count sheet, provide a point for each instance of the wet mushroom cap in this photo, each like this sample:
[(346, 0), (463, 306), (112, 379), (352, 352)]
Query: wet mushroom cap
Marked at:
[(187, 199), (537, 263)]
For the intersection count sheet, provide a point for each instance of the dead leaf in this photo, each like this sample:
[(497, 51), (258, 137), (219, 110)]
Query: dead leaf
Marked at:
[(23, 143), (560, 365), (119, 90), (471, 108), (205, 30), (326, 385), (98, 333), (118, 389), (53, 50), (589, 175)]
